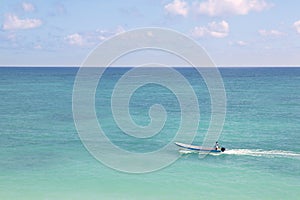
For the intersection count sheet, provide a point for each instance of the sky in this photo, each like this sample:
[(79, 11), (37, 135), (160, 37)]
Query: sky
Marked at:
[(233, 32)]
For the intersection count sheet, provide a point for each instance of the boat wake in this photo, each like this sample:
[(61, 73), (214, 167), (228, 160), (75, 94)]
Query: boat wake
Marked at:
[(251, 152), (263, 153)]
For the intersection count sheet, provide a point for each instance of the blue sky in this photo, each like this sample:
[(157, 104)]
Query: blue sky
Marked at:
[(234, 32)]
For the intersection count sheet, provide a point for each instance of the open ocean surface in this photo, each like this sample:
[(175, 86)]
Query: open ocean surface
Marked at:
[(42, 157)]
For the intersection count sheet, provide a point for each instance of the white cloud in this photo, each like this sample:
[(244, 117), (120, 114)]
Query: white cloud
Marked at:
[(238, 43), (297, 26), (101, 34), (13, 22), (177, 7), (38, 47), (75, 39), (28, 7), (199, 31), (91, 38), (214, 29), (241, 43), (233, 7), (270, 33)]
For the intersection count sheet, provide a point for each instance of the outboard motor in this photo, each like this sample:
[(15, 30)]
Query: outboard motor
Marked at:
[(223, 149)]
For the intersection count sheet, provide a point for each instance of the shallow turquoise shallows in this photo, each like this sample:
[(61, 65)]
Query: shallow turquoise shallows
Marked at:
[(42, 157)]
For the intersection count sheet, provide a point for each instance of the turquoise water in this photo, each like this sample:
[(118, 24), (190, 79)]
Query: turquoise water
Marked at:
[(42, 156)]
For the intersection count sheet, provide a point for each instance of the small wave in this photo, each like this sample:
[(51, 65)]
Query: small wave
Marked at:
[(260, 152)]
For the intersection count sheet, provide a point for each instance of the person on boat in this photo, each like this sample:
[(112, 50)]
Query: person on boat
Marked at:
[(217, 145)]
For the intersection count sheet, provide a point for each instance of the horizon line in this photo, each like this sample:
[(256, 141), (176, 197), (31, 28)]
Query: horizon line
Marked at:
[(218, 66)]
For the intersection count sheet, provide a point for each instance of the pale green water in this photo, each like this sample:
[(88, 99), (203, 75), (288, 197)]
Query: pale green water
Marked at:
[(42, 157)]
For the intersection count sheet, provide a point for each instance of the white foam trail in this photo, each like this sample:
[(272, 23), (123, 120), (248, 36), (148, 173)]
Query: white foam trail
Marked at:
[(260, 152), (183, 151)]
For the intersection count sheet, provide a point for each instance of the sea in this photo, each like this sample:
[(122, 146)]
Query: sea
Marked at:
[(42, 155)]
